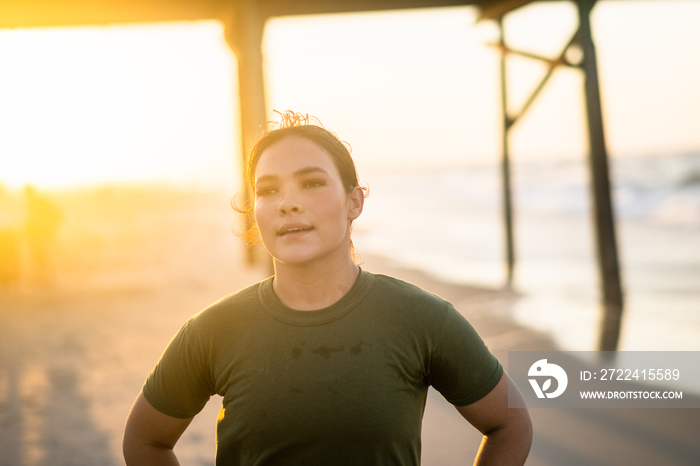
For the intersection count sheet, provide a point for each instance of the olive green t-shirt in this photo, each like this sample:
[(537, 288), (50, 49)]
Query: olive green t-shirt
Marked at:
[(344, 385)]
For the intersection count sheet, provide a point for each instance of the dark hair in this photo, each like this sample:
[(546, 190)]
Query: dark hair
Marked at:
[(304, 126)]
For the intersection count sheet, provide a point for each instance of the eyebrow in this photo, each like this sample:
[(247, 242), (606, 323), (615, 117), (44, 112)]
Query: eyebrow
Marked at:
[(301, 172)]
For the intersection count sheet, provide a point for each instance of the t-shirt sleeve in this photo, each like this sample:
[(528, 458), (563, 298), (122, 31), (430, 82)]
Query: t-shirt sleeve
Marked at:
[(180, 384), (462, 368)]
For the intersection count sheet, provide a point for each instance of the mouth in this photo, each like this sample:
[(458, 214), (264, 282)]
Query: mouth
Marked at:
[(293, 229)]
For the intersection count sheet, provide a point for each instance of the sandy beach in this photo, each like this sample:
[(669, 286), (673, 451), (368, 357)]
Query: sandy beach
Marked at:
[(130, 265)]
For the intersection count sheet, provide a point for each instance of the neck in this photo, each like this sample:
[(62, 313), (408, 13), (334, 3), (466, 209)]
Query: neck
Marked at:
[(309, 287)]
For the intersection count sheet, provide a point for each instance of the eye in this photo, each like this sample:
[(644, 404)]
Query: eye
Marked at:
[(314, 183), (265, 191)]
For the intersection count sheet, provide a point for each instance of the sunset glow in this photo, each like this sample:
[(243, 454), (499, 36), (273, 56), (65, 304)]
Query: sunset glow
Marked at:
[(158, 102), (135, 103), (121, 195)]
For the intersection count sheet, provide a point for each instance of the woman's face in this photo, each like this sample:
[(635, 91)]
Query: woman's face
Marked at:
[(302, 210)]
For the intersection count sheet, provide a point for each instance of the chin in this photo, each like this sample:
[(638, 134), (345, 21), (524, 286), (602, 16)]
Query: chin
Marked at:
[(291, 258), (302, 255)]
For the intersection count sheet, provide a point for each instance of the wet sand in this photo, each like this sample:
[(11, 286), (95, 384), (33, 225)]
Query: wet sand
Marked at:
[(130, 267)]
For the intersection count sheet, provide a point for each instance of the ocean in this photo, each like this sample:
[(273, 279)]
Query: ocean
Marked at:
[(447, 221)]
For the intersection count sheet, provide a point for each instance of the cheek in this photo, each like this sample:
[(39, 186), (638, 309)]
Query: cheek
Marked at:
[(261, 217), (336, 210)]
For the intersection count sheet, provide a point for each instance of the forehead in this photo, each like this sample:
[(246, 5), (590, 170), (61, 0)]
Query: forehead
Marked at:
[(291, 155)]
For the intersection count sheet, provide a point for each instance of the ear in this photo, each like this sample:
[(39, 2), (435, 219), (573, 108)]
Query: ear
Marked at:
[(356, 201)]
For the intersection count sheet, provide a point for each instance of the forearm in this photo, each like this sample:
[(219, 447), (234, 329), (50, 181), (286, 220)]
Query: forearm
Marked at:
[(508, 446), (144, 455), (150, 436)]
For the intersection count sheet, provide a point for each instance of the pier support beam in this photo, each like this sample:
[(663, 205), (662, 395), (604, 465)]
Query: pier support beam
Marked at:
[(604, 222), (505, 162), (244, 29), (603, 215)]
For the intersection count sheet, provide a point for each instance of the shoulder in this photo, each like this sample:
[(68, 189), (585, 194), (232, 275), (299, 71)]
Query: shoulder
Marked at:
[(238, 306), (241, 298), (406, 292), (410, 303)]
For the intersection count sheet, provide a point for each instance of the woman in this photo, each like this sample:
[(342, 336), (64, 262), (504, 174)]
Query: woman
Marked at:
[(323, 363)]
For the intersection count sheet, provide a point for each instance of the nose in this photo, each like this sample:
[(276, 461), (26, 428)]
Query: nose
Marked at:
[(289, 203)]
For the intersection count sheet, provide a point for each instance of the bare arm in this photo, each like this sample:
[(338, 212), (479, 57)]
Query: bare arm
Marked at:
[(150, 436), (507, 431)]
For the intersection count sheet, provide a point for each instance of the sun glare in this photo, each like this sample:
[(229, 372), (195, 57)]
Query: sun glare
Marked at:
[(89, 105), (158, 102)]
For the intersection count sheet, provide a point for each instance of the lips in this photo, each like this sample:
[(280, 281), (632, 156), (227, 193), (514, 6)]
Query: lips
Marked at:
[(285, 230)]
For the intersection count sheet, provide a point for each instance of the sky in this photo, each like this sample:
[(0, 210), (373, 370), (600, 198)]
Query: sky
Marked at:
[(158, 102)]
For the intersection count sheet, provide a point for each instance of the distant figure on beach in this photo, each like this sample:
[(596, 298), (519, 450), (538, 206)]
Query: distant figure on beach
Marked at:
[(10, 235), (43, 220), (323, 363)]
